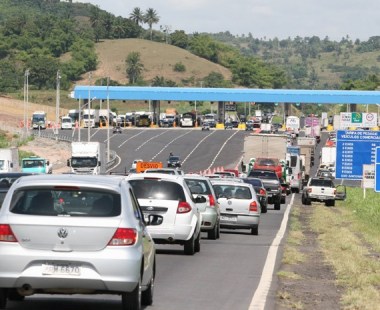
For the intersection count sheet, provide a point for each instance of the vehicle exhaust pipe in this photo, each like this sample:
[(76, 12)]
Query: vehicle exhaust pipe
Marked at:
[(26, 290)]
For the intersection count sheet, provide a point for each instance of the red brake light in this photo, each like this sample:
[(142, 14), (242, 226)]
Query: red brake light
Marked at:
[(212, 200), (124, 236), (6, 234), (183, 207), (253, 206), (262, 192)]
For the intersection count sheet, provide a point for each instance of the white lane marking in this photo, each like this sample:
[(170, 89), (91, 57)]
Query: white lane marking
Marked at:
[(150, 140), (96, 131), (199, 143), (117, 165), (130, 139), (259, 298), (221, 149), (169, 144)]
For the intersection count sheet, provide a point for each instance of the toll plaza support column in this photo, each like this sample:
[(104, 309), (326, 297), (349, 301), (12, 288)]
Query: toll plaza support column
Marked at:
[(221, 114)]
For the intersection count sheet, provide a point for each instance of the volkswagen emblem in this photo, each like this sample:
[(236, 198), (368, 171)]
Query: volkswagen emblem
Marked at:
[(229, 202), (62, 233)]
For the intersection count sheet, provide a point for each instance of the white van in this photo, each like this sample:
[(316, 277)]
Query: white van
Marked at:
[(66, 122), (293, 161)]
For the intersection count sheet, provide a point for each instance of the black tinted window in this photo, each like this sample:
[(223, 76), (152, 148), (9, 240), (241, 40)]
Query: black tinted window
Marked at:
[(321, 182), (157, 189)]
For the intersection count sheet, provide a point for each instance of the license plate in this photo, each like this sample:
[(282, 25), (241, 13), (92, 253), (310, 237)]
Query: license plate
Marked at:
[(61, 269), (228, 218), (321, 197)]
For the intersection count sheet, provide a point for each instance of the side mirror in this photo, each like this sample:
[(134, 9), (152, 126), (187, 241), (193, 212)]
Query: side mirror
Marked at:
[(154, 220), (99, 163)]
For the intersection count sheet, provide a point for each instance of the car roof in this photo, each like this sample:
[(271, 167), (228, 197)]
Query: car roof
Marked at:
[(162, 176), (223, 182), (91, 181)]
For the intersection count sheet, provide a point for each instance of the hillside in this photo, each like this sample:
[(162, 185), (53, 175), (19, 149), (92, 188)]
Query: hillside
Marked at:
[(158, 60)]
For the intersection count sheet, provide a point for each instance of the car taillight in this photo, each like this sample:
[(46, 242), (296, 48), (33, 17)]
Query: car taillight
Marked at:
[(253, 206), (262, 192), (183, 207), (124, 236), (6, 234), (212, 200)]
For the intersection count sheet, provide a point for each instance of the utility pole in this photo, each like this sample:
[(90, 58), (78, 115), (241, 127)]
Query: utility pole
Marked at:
[(89, 108), (57, 100), (108, 127), (26, 100)]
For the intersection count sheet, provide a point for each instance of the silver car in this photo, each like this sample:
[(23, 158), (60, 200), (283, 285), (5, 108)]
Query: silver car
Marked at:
[(239, 206), (75, 234), (200, 185)]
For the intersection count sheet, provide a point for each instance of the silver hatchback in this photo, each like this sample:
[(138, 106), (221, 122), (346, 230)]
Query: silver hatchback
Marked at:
[(75, 234)]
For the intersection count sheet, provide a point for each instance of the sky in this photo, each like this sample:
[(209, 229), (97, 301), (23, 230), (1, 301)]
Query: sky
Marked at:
[(264, 19)]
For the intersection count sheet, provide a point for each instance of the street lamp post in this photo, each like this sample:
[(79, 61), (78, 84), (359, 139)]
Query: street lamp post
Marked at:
[(26, 100), (89, 108)]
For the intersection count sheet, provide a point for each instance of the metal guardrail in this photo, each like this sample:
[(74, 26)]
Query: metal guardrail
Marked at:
[(65, 138)]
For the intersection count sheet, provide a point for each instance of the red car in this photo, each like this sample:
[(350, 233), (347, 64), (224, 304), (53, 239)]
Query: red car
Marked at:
[(269, 164)]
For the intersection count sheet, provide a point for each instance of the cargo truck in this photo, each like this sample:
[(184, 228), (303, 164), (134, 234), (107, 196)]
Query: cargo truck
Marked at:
[(9, 160), (307, 150), (36, 164), (87, 158)]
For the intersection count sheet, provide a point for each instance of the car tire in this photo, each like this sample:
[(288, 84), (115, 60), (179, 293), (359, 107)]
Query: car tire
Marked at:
[(255, 230), (277, 205), (3, 298), (132, 300), (213, 234), (218, 231), (283, 199), (189, 246), (13, 295), (330, 203), (147, 295)]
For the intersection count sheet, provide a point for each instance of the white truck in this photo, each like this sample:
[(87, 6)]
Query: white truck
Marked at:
[(9, 160), (328, 155), (39, 120), (88, 117), (319, 189), (88, 158), (307, 150)]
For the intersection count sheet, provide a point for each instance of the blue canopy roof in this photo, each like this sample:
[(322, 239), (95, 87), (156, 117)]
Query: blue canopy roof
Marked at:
[(227, 94)]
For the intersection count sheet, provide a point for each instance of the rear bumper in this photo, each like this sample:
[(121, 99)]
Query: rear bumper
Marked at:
[(228, 220)]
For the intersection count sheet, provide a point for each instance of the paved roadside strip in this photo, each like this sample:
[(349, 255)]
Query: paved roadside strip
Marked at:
[(259, 298)]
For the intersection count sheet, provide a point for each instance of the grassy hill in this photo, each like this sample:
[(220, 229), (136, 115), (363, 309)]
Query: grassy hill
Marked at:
[(158, 60)]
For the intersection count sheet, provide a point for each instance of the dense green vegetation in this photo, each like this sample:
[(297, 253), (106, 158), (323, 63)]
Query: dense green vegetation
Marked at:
[(39, 37)]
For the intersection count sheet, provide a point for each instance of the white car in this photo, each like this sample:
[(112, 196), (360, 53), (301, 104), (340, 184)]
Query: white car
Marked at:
[(172, 171), (75, 234), (239, 205), (200, 185), (170, 197)]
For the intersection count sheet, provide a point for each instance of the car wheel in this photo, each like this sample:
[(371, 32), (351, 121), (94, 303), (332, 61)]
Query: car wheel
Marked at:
[(255, 230), (213, 234), (3, 298), (307, 202), (277, 205), (197, 245), (283, 199), (189, 246), (147, 295), (218, 231), (330, 203), (132, 300), (15, 296)]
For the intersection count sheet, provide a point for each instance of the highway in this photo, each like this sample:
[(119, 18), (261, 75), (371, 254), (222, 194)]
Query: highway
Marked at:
[(226, 272)]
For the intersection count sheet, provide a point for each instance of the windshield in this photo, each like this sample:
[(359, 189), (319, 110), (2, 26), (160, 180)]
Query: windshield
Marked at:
[(263, 174), (77, 162), (32, 163)]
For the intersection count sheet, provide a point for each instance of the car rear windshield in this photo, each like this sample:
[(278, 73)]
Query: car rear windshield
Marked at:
[(157, 189), (266, 162), (198, 186), (321, 182), (263, 174), (65, 202), (232, 191), (254, 182)]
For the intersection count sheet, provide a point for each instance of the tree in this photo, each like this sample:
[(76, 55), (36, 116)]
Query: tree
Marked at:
[(180, 39), (134, 67), (137, 16), (151, 18)]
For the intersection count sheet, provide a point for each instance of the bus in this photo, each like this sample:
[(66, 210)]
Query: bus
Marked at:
[(39, 120)]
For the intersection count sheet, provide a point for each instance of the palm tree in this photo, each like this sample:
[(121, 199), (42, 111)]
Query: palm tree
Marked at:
[(137, 16), (151, 18), (134, 67)]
